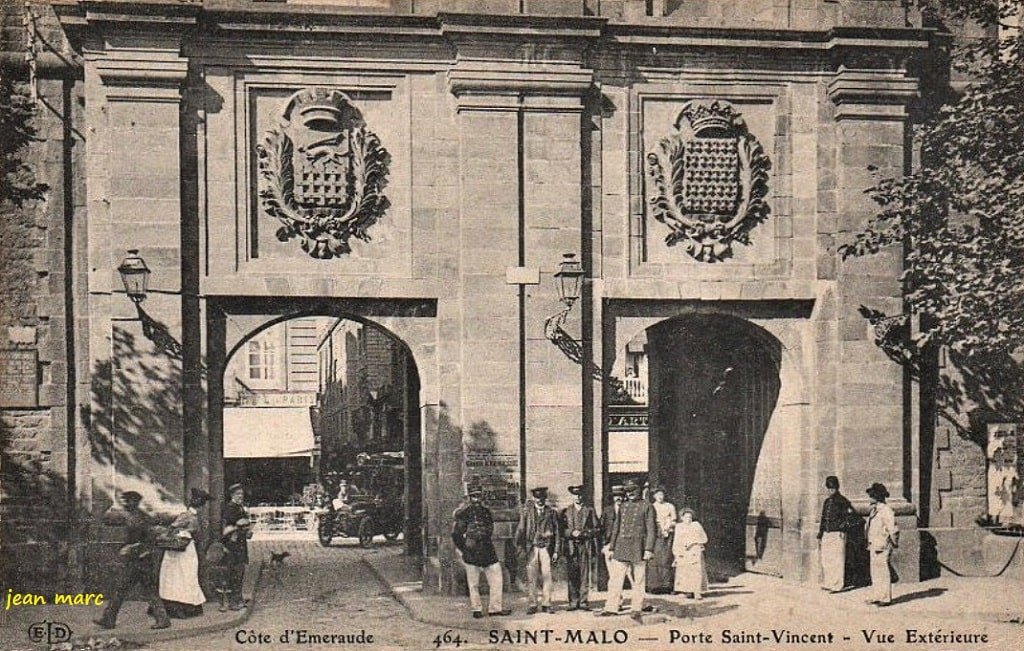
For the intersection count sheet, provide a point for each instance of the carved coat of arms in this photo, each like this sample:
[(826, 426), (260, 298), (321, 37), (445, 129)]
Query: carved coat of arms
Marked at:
[(322, 173), (710, 180)]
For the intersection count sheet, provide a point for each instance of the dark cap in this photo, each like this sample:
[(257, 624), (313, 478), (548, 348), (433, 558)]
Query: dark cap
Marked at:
[(199, 495), (576, 489), (131, 496), (474, 490), (631, 486), (832, 482), (539, 492), (878, 491)]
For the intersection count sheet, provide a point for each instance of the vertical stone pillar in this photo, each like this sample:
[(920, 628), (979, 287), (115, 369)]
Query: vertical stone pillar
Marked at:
[(491, 312), (552, 197), (134, 198), (519, 113), (872, 438)]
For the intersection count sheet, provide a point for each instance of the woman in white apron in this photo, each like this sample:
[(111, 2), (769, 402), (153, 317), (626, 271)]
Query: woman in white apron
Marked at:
[(688, 548), (179, 571)]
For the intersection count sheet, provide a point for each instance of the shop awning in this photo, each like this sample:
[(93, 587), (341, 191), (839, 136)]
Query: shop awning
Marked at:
[(267, 432)]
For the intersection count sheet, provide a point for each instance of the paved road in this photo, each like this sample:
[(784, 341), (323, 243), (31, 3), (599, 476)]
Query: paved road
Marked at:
[(334, 591), (322, 591)]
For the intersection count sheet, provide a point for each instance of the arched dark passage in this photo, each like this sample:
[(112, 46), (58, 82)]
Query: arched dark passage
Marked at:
[(714, 383)]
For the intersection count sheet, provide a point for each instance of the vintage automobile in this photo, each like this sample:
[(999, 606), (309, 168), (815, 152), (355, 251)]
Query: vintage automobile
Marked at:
[(363, 517)]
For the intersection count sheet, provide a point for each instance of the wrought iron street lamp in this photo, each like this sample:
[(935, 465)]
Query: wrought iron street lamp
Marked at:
[(570, 279), (135, 276)]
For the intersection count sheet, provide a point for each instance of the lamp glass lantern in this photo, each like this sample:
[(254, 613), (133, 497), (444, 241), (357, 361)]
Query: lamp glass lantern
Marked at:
[(570, 278), (134, 275)]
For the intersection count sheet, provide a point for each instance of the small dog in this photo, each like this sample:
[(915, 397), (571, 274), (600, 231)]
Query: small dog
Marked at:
[(277, 558), (276, 564)]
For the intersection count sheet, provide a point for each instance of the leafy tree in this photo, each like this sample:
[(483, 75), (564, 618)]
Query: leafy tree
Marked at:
[(18, 184), (960, 216)]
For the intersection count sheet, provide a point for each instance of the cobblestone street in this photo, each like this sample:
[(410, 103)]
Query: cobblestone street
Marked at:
[(336, 590), (322, 591)]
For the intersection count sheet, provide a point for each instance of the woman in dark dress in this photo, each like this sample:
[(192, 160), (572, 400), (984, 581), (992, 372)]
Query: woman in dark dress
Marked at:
[(660, 574)]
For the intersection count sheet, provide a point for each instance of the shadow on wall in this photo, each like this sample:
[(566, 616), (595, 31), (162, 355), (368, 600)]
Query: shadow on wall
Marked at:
[(978, 390), (137, 431), (134, 434), (36, 531)]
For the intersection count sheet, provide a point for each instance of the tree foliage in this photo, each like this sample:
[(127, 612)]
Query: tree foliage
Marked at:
[(18, 183), (960, 215)]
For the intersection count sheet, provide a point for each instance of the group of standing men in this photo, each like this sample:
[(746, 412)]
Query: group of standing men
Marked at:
[(625, 534)]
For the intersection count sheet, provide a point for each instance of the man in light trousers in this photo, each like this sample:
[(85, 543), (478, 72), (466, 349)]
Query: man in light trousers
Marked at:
[(631, 546), (471, 533), (836, 514), (883, 537), (538, 539)]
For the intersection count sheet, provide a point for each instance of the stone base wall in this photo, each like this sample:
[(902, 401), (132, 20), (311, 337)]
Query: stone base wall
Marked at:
[(35, 510), (959, 481)]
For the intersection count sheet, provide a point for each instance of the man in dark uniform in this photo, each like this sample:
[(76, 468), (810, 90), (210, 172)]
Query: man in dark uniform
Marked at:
[(235, 537), (580, 531), (538, 538), (631, 546), (139, 567), (471, 533)]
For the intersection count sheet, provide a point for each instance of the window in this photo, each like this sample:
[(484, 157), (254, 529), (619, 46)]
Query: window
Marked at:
[(262, 360)]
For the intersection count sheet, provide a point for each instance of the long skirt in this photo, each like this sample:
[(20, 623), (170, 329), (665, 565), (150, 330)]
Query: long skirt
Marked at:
[(179, 581), (659, 568), (691, 575)]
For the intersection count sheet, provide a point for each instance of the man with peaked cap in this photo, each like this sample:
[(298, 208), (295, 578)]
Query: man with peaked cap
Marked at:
[(883, 537), (580, 530), (631, 546), (471, 533), (139, 567), (235, 538), (538, 539)]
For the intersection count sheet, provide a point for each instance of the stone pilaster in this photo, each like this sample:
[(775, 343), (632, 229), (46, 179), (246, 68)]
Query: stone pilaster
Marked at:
[(873, 437), (134, 197)]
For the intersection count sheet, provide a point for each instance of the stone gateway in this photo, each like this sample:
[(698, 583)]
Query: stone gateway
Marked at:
[(422, 168)]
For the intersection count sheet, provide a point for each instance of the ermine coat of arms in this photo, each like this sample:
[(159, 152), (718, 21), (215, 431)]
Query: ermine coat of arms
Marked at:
[(322, 173), (709, 183)]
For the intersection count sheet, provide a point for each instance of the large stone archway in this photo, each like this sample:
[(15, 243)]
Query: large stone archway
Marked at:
[(714, 386), (761, 516)]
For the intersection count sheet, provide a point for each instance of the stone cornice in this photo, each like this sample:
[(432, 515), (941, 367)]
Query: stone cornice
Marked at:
[(872, 94), (148, 72), (542, 80), (815, 40)]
